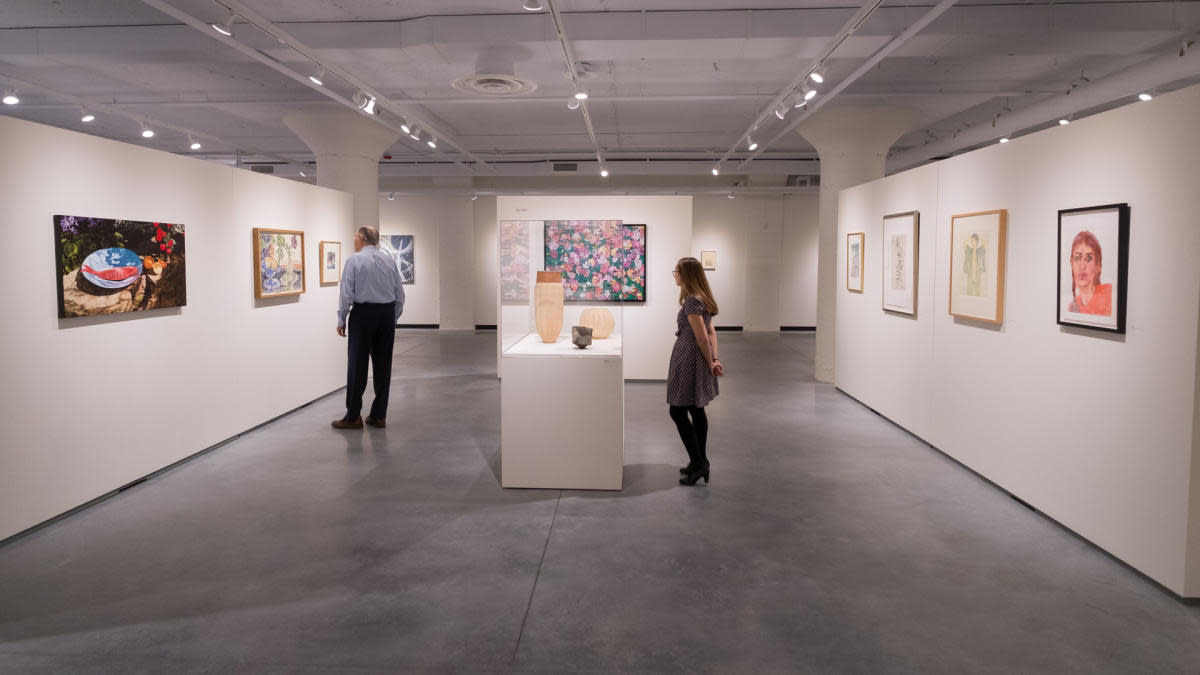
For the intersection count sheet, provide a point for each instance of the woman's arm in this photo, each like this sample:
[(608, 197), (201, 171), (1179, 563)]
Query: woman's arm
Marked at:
[(706, 338), (715, 366)]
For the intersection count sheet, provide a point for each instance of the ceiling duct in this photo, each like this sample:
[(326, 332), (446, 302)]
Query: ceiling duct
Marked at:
[(495, 75), (566, 167)]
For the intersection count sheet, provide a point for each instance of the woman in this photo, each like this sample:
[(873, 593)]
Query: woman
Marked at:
[(1089, 295), (692, 375)]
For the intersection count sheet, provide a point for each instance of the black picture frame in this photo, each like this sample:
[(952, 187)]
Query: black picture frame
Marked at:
[(1097, 221)]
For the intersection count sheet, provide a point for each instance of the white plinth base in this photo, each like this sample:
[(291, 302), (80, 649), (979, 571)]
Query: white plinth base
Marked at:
[(562, 417)]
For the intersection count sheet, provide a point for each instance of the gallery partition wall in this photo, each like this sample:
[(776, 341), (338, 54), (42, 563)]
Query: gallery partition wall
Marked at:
[(1093, 425), (94, 402)]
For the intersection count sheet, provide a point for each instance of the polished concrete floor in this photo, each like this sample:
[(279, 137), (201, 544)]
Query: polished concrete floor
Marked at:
[(829, 541)]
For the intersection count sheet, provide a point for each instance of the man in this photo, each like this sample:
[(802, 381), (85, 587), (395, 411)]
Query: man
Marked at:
[(371, 288)]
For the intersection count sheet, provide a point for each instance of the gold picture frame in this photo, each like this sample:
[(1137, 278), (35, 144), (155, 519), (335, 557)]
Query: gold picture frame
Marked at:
[(977, 265), (278, 263)]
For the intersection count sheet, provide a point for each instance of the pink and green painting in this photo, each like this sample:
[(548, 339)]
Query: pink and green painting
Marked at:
[(601, 260)]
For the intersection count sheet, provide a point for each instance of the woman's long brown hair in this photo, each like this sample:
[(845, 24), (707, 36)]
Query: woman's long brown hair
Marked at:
[(693, 282)]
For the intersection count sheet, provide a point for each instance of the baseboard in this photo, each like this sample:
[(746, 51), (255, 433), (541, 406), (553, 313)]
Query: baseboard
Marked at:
[(152, 475), (1186, 600), (485, 326), (737, 329), (803, 329), (433, 326)]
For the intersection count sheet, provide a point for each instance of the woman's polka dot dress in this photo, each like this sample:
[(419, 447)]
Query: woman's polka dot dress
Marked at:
[(689, 381)]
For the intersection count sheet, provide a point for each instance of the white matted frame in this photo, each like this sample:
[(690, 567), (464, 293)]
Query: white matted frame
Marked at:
[(901, 232), (708, 260), (854, 261), (331, 262), (977, 265)]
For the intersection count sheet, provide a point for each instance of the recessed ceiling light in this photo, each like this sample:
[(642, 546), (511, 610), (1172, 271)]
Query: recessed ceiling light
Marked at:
[(716, 171), (147, 133), (1064, 122), (1004, 140), (604, 173), (581, 95), (1142, 96), (86, 115), (193, 143), (10, 98), (225, 27)]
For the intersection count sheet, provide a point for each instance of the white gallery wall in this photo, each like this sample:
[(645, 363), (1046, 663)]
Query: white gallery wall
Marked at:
[(1098, 431), (648, 329), (443, 257), (93, 403), (766, 274)]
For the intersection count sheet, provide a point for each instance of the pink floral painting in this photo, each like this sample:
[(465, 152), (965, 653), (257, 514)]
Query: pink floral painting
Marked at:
[(601, 260), (514, 260)]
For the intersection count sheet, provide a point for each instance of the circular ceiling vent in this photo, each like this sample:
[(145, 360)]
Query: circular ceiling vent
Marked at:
[(491, 84)]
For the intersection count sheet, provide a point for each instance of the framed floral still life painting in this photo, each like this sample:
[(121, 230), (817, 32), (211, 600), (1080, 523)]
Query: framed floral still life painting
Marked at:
[(977, 248), (278, 262), (331, 262), (854, 262), (900, 234), (1093, 267)]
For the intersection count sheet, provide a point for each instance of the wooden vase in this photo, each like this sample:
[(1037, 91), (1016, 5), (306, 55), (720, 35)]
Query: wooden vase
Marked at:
[(548, 305), (600, 320)]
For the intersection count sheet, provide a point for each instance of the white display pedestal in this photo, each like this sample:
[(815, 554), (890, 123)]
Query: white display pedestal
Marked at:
[(562, 415)]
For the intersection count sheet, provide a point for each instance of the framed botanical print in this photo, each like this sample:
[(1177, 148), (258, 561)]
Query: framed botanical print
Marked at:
[(977, 248), (278, 262), (900, 235), (708, 260), (1093, 267), (854, 262), (331, 262)]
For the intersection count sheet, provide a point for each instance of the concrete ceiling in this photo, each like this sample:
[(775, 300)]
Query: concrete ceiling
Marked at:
[(674, 84)]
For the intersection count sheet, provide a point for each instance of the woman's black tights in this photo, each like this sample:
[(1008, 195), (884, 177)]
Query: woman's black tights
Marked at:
[(693, 433)]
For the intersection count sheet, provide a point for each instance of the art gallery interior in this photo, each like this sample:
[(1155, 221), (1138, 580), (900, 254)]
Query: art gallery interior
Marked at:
[(953, 244)]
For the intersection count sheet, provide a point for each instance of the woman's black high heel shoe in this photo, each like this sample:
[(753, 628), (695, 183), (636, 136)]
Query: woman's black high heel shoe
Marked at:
[(692, 477), (687, 469)]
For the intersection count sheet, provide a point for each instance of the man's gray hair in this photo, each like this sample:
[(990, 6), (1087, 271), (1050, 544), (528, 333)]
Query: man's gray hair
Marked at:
[(370, 235)]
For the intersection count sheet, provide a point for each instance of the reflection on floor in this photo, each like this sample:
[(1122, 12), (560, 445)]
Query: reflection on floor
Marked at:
[(828, 541)]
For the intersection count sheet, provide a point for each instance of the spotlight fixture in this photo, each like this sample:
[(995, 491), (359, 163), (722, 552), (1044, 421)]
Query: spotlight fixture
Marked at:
[(604, 173), (808, 92), (533, 5), (10, 98), (404, 127), (318, 78), (225, 27), (817, 75), (86, 116), (147, 133), (1004, 139), (365, 102), (573, 104), (194, 144), (415, 133), (1144, 96), (391, 196), (751, 144), (716, 171), (730, 195), (1064, 122), (474, 197), (781, 111), (432, 142), (798, 100), (581, 95), (303, 174)]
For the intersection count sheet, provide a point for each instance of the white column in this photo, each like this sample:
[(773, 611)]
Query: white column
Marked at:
[(347, 147), (852, 143)]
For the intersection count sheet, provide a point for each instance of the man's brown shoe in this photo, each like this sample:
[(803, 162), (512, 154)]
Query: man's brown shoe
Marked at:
[(376, 423), (355, 423)]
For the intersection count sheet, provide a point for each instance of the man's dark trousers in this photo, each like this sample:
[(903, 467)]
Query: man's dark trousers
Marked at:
[(371, 328)]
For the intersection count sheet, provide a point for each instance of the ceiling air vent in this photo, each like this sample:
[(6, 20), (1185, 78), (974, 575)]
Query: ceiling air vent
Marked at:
[(566, 167), (262, 168), (495, 84)]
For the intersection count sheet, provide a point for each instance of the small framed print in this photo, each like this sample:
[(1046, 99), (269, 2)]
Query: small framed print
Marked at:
[(331, 262), (900, 234), (854, 262), (278, 262), (708, 260), (977, 249), (1093, 267)]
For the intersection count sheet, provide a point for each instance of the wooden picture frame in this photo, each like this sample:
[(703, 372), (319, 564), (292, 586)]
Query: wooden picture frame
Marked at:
[(278, 263), (1093, 232), (855, 256), (708, 260), (331, 262), (978, 245), (901, 248)]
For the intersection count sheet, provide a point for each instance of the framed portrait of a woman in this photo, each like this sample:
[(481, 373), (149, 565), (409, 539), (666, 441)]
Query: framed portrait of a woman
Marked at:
[(1093, 266)]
